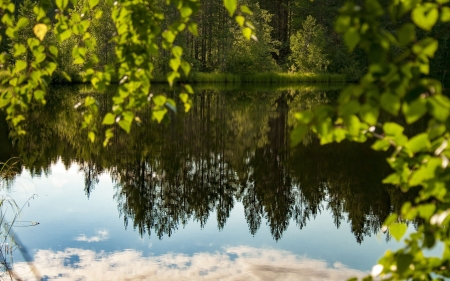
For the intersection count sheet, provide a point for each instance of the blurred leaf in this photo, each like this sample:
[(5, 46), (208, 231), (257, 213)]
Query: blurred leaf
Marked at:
[(406, 34), (352, 38), (40, 30), (418, 143), (246, 10), (298, 134), (109, 119), (125, 125), (415, 110), (425, 16), (159, 114), (230, 5), (390, 103), (398, 230), (91, 136), (393, 129)]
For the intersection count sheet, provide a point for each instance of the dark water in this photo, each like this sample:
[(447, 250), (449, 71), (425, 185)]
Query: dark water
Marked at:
[(215, 193)]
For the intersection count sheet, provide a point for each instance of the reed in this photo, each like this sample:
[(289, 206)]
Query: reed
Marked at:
[(9, 240)]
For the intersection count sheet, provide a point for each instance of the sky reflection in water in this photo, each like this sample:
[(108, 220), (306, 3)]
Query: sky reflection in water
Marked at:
[(80, 237)]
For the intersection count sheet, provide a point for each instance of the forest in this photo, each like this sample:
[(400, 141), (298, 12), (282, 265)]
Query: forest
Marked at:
[(292, 36)]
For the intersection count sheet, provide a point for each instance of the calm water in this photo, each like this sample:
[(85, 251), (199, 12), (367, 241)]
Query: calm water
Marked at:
[(216, 193)]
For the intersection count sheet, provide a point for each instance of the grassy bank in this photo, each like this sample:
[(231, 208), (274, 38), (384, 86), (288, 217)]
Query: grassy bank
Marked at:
[(265, 78), (226, 78)]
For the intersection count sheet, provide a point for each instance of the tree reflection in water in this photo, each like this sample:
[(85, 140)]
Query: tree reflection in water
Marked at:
[(232, 146)]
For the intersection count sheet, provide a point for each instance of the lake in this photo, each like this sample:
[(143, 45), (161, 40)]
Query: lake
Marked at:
[(213, 194)]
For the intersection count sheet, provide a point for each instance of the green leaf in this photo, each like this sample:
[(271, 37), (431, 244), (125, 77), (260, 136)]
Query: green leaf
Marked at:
[(445, 14), (177, 51), (64, 35), (369, 114), (393, 178), (339, 134), (304, 117), (159, 100), (40, 30), (430, 47), (415, 110), (159, 114), (240, 20), (184, 97), (169, 36), (18, 50), (425, 172), (186, 67), (53, 50), (16, 120), (193, 28), (381, 145), (89, 101), (91, 136), (403, 262), (298, 134), (4, 102), (392, 218), (93, 3), (171, 76), (186, 12), (171, 105), (230, 5), (189, 89), (426, 210), (20, 65), (425, 16), (61, 4), (418, 143), (439, 107), (22, 22), (390, 103), (246, 10), (108, 135), (350, 108), (125, 125), (109, 119), (398, 230), (39, 95), (175, 64), (374, 8), (406, 34), (247, 32), (11, 8), (353, 125), (352, 38), (392, 129)]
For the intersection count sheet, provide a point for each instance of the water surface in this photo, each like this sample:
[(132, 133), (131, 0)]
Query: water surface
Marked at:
[(215, 193)]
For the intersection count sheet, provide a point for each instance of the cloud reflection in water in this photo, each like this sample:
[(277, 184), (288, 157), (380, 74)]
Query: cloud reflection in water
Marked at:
[(102, 235), (234, 263)]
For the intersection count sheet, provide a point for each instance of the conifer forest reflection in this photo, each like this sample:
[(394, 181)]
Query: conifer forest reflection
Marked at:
[(232, 146)]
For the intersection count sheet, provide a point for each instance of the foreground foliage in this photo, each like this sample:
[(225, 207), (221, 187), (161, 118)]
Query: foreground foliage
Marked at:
[(137, 40), (394, 93), (396, 83)]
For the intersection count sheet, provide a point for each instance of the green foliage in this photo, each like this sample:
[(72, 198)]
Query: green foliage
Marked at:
[(69, 43), (397, 83), (255, 56), (308, 48)]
